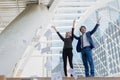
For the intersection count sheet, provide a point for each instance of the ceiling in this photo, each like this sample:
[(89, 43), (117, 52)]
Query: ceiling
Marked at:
[(10, 9)]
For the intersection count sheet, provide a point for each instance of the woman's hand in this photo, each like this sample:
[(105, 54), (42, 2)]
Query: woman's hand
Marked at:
[(54, 28), (98, 21), (74, 23)]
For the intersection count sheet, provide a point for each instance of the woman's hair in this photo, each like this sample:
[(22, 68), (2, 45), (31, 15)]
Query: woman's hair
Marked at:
[(82, 27), (67, 33)]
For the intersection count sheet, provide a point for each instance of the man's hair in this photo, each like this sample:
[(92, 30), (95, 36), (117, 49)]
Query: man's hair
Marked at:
[(82, 27)]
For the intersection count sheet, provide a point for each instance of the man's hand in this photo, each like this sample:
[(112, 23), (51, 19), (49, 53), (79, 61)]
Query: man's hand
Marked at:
[(74, 23), (54, 28), (98, 21)]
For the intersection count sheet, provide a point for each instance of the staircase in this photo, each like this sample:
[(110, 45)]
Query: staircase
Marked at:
[(10, 9)]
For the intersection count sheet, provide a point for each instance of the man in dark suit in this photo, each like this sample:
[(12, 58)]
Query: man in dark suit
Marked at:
[(85, 46)]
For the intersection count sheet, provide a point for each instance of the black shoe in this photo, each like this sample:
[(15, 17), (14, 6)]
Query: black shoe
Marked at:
[(71, 75), (65, 75)]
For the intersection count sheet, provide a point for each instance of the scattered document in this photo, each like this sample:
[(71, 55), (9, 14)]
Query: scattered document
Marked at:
[(56, 76), (71, 71), (47, 49)]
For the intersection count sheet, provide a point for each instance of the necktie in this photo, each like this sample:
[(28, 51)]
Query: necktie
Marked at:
[(82, 42)]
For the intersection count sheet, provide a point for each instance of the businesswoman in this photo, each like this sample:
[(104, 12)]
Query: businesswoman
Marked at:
[(67, 49)]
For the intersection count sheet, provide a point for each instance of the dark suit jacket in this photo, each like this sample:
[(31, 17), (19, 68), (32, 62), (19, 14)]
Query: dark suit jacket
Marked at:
[(88, 34)]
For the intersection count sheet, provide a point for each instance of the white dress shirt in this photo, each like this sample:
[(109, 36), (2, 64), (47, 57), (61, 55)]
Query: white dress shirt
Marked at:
[(85, 40)]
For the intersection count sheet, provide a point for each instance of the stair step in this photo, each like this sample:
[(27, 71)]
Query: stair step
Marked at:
[(96, 78)]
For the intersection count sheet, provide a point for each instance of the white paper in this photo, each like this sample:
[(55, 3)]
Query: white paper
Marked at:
[(48, 33), (48, 64), (71, 71), (56, 76), (24, 41), (47, 49), (38, 46), (38, 32)]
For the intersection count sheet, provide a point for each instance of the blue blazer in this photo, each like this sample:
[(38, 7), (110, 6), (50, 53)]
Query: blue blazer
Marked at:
[(88, 34)]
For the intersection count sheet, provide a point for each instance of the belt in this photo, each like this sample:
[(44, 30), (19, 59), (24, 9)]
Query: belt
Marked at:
[(86, 47)]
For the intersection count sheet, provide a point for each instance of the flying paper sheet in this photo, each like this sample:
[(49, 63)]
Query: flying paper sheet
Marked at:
[(38, 32), (38, 46), (56, 76), (48, 64), (47, 49), (48, 33), (71, 71), (24, 41)]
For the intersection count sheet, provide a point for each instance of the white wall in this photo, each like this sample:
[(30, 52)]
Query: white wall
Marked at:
[(22, 28)]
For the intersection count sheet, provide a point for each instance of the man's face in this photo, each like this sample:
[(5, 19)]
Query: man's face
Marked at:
[(83, 30)]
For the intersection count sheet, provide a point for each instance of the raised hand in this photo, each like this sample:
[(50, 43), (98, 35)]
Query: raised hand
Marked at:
[(98, 21), (54, 28), (74, 23)]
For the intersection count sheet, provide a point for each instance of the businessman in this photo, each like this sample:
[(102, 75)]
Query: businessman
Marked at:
[(85, 45)]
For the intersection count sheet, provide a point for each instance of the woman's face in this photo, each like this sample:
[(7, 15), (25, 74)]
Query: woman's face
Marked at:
[(68, 34)]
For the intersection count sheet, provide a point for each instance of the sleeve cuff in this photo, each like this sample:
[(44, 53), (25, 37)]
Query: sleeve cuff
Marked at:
[(98, 24)]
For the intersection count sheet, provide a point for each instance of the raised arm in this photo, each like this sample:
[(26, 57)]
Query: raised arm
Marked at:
[(61, 37), (74, 36), (74, 23), (73, 29), (96, 26)]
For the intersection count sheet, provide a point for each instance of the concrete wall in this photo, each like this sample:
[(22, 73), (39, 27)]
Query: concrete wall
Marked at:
[(22, 28)]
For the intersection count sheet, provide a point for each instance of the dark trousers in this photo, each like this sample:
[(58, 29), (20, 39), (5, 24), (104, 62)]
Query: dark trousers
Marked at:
[(88, 61), (67, 53)]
